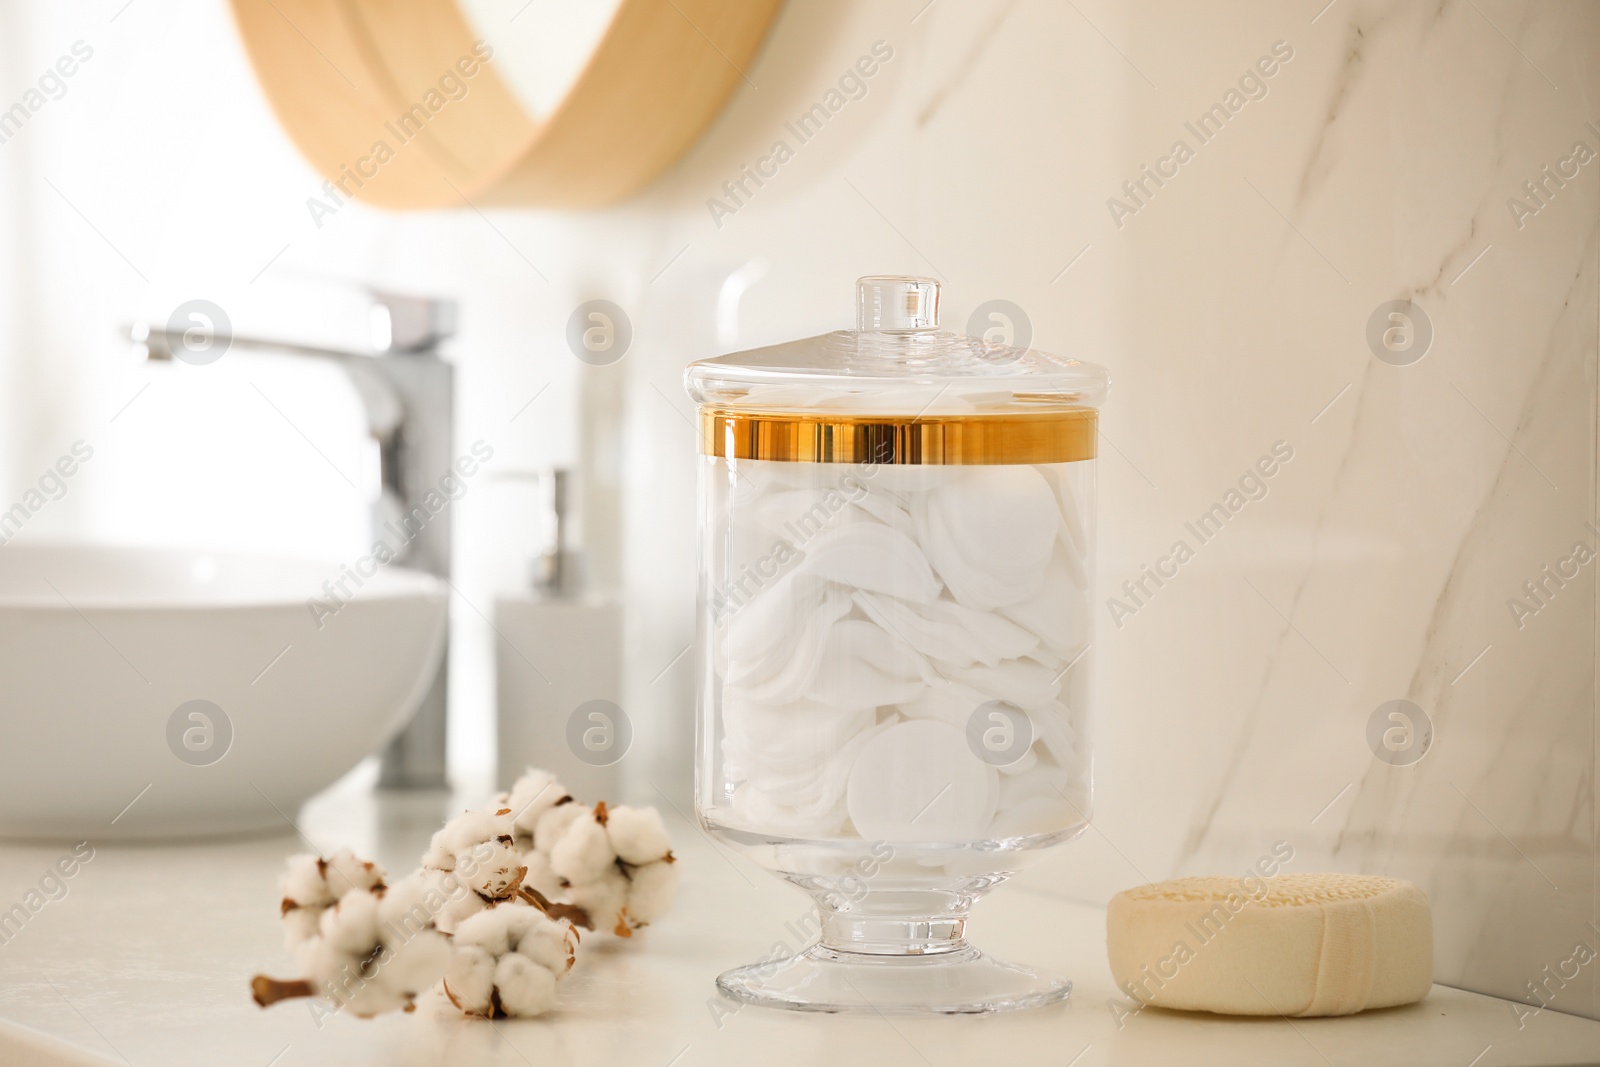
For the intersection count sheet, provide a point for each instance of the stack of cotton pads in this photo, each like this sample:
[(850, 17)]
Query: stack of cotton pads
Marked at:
[(1295, 944), (934, 595)]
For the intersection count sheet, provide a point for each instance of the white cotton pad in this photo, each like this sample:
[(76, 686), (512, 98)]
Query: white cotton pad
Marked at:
[(919, 781), (1294, 944)]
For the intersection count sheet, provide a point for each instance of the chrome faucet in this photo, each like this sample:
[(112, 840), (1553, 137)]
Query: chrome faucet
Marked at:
[(407, 392)]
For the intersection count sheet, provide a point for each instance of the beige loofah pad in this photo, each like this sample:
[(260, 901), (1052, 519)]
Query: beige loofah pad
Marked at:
[(1295, 944)]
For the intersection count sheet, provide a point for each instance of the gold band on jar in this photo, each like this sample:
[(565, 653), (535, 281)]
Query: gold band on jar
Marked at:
[(1060, 436)]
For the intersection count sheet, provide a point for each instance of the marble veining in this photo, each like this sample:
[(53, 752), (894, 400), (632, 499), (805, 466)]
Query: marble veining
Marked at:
[(1477, 461)]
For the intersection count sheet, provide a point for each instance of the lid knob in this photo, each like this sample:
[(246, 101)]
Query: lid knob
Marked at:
[(897, 304)]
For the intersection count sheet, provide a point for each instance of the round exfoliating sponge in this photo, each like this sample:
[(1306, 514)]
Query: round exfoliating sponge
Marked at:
[(1295, 944)]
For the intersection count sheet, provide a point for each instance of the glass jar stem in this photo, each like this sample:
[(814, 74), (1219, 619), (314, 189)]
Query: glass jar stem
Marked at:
[(895, 924)]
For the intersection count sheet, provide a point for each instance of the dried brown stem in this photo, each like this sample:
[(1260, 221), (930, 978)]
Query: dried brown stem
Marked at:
[(268, 991), (570, 912), (514, 886)]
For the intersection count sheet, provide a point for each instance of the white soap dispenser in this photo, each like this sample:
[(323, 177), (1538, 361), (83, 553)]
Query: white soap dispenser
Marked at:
[(558, 664)]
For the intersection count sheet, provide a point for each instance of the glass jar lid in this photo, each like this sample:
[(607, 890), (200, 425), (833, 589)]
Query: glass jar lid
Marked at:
[(897, 389)]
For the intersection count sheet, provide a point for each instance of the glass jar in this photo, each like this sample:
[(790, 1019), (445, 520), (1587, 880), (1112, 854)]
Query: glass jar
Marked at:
[(896, 561)]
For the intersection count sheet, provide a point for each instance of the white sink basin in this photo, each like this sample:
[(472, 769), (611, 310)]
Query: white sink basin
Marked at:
[(105, 651)]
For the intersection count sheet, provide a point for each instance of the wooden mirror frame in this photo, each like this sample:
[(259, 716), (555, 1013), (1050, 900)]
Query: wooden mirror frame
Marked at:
[(367, 91)]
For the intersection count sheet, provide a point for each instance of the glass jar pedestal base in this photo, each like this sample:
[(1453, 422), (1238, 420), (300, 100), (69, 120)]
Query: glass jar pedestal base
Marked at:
[(964, 981), (860, 966)]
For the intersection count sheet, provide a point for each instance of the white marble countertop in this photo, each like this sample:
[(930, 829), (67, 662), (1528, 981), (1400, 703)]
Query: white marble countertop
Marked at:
[(146, 961)]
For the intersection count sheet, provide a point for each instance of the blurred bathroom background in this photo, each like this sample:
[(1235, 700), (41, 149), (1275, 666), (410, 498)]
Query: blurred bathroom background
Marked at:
[(1006, 148)]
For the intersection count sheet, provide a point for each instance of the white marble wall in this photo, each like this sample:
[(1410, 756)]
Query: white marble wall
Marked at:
[(1231, 308), (1420, 498)]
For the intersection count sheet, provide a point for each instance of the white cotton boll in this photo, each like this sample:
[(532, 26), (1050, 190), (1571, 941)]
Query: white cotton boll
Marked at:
[(459, 835), (311, 884), (652, 890), (506, 961), (439, 855), (347, 871), (637, 834), (487, 930), (300, 925), (475, 827), (351, 926), (457, 910), (533, 794), (479, 847), (409, 906), (469, 980), (303, 881), (413, 966), (551, 943), (479, 825), (541, 878), (584, 852), (526, 989), (553, 824), (604, 899), (450, 898), (373, 951), (367, 999), (517, 917), (330, 971), (411, 891), (376, 976), (498, 870)]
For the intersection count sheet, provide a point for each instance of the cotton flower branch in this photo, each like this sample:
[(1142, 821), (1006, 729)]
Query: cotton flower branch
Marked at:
[(491, 917)]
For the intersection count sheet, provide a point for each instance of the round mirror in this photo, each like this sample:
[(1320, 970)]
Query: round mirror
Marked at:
[(555, 103)]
